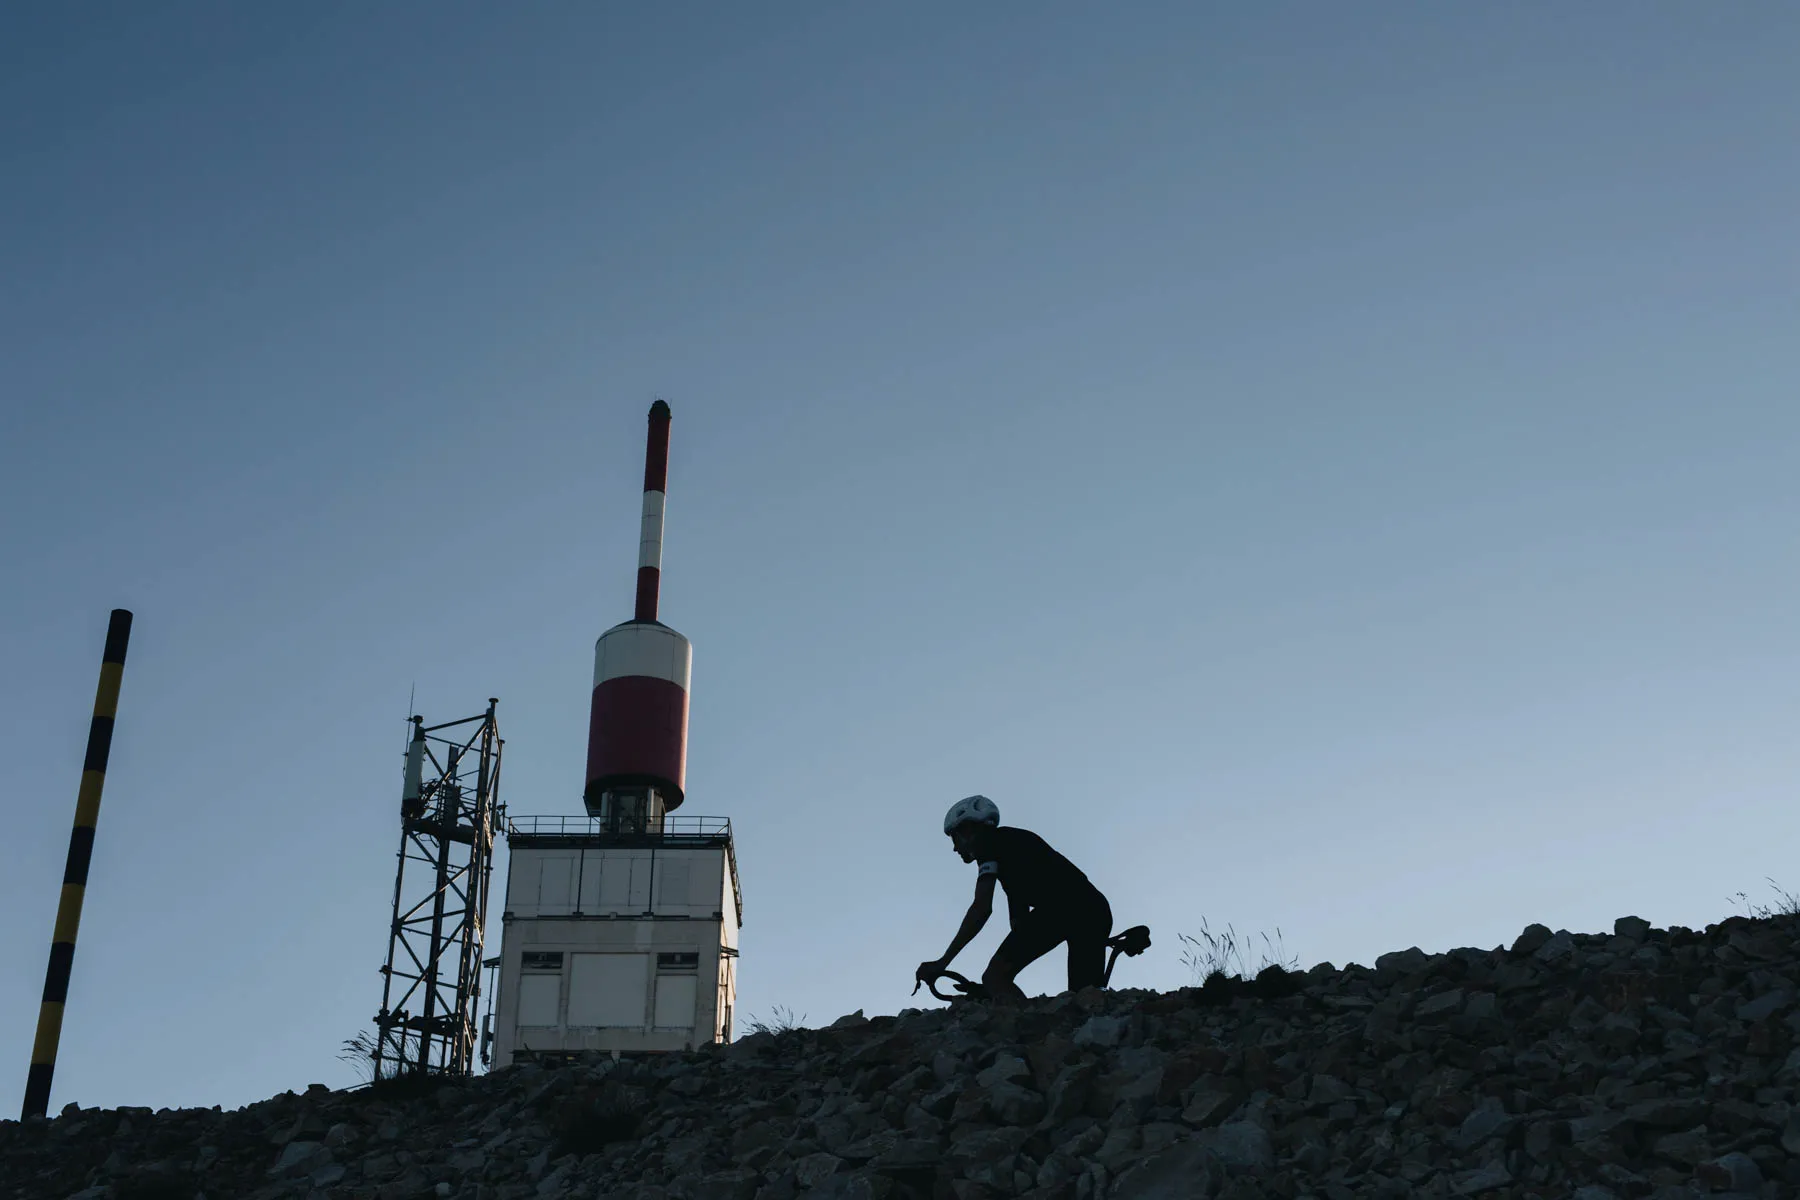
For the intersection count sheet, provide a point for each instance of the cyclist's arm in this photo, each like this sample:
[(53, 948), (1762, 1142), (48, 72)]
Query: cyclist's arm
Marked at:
[(980, 909)]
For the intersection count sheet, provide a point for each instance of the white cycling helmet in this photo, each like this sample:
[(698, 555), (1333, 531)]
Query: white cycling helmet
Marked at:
[(977, 810)]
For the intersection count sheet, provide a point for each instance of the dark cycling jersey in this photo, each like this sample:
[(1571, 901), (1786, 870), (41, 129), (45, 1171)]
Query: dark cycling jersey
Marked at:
[(1035, 876)]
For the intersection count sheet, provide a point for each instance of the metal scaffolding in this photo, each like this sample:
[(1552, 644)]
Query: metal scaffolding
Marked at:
[(431, 983)]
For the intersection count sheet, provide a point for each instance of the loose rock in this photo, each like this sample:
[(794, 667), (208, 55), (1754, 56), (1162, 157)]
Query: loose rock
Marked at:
[(1649, 1063)]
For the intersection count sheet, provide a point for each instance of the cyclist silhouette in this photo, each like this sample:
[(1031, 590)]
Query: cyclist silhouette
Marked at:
[(1048, 900)]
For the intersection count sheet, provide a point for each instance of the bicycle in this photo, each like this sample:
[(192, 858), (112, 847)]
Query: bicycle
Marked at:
[(1131, 943)]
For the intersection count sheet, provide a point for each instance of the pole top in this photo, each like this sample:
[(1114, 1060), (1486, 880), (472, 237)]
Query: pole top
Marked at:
[(118, 634)]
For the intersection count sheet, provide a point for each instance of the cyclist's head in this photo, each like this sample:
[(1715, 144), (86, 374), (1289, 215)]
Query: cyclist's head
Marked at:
[(968, 822)]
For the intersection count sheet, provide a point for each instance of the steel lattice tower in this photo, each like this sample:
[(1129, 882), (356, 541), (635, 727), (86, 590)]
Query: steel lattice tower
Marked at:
[(431, 983)]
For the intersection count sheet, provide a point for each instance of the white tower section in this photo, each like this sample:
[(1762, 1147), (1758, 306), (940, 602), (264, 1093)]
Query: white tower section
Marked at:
[(617, 941)]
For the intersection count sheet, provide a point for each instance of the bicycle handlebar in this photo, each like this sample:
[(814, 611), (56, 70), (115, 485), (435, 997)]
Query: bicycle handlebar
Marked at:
[(969, 989)]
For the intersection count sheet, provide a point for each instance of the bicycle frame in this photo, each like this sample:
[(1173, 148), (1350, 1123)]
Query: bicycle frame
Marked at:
[(1131, 943)]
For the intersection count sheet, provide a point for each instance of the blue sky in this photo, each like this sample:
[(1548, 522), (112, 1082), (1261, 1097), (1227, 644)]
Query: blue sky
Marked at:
[(1325, 470)]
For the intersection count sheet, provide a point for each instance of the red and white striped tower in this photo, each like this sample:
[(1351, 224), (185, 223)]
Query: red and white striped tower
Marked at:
[(637, 728)]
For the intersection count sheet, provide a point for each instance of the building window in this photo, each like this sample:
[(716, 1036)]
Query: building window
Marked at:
[(540, 989), (677, 988), (675, 997)]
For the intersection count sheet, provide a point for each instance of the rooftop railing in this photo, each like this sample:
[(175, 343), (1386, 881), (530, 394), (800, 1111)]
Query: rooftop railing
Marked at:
[(670, 828)]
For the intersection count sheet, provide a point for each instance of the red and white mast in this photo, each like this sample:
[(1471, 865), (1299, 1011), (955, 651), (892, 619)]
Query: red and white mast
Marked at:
[(656, 486), (637, 725)]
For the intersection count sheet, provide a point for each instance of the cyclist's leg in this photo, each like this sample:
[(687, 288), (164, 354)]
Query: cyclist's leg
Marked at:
[(1033, 937), (1087, 946)]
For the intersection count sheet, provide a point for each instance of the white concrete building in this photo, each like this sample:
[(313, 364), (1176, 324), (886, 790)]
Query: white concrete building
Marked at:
[(617, 940)]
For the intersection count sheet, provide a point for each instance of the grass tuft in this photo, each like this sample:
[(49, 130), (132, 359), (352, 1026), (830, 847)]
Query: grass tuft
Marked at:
[(1788, 905), (779, 1020), (1228, 955), (359, 1052)]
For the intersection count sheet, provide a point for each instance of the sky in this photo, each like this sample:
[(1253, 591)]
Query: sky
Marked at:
[(1328, 469)]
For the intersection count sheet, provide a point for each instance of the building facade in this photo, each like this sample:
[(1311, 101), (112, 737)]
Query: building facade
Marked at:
[(617, 939)]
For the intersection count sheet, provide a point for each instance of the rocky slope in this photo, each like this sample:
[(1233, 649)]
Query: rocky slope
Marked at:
[(1648, 1063)]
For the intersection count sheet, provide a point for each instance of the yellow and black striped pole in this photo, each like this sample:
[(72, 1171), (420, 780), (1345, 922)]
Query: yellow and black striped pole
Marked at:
[(74, 886)]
